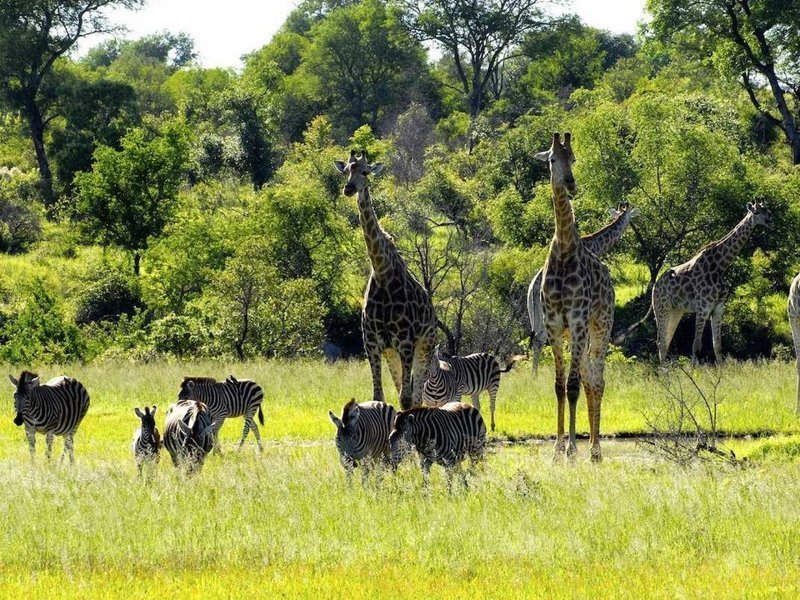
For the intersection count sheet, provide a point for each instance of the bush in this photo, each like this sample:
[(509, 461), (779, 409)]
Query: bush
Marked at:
[(179, 336), (106, 298), (19, 220)]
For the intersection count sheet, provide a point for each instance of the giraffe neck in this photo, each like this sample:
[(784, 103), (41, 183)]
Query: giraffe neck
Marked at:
[(729, 246), (380, 250), (602, 240), (566, 231)]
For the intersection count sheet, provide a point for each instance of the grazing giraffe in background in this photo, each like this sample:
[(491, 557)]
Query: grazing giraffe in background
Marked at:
[(599, 242), (578, 299), (794, 320), (698, 286), (398, 320)]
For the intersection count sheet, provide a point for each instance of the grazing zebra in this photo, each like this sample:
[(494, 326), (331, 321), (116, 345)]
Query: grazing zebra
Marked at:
[(362, 435), (188, 434), (146, 440), (54, 408), (227, 399), (455, 376), (444, 436)]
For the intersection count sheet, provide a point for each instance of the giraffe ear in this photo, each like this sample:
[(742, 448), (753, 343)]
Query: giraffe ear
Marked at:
[(613, 213), (542, 156), (376, 168), (339, 164), (750, 207), (633, 212)]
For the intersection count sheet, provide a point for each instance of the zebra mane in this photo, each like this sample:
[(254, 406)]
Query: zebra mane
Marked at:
[(346, 411), (404, 414), (25, 378), (197, 380)]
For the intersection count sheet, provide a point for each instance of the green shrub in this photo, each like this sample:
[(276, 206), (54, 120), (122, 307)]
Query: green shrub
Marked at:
[(106, 298)]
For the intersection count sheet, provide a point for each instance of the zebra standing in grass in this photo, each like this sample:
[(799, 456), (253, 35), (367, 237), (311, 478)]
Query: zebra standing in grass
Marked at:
[(362, 435), (227, 399), (146, 440), (54, 408), (188, 434), (456, 376), (445, 436)]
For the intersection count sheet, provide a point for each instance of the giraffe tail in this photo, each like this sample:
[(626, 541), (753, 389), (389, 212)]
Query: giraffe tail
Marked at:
[(629, 330)]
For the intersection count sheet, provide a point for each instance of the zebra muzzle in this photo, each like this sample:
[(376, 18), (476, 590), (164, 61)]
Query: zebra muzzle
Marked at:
[(18, 420)]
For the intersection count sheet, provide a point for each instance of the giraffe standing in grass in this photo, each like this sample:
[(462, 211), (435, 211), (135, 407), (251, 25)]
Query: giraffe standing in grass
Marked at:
[(578, 299), (397, 321), (794, 320), (599, 242), (698, 286)]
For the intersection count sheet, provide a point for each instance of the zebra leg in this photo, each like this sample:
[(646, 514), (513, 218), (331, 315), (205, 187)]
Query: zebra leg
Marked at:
[(30, 433), (215, 435), (248, 425), (256, 433), (68, 448), (476, 401), (48, 438), (492, 404), (426, 463)]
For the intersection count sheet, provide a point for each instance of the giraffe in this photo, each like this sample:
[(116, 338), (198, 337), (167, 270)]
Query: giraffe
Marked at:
[(698, 286), (794, 319), (599, 242), (397, 319), (578, 300)]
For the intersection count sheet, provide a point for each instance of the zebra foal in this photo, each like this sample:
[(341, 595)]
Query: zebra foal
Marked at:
[(53, 408), (146, 439), (227, 399), (362, 435), (443, 436), (455, 376), (188, 434)]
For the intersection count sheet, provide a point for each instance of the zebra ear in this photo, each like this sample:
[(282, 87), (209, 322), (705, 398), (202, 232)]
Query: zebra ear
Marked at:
[(184, 427), (34, 381), (153, 412), (13, 381), (138, 413), (334, 419), (355, 413)]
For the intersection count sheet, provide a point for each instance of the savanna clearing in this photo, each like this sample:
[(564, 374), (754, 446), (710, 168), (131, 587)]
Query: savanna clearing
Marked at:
[(286, 522)]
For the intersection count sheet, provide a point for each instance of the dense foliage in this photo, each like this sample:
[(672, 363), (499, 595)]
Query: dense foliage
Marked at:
[(196, 212)]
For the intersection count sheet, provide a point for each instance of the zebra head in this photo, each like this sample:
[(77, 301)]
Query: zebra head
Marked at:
[(190, 387), (401, 439), (22, 393), (147, 417), (198, 430), (346, 427)]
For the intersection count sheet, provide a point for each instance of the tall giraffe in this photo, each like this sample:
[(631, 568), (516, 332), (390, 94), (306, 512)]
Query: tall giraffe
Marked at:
[(794, 320), (578, 299), (397, 320), (599, 242), (698, 286)]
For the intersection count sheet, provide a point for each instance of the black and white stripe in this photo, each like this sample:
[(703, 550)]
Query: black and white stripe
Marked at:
[(54, 408), (227, 399), (362, 434), (188, 434), (146, 439), (450, 378), (445, 436)]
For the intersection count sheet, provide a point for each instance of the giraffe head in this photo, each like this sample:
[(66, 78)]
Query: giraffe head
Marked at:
[(356, 169), (623, 208), (559, 158), (759, 212)]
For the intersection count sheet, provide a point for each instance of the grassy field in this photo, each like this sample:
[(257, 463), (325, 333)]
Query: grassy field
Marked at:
[(286, 523)]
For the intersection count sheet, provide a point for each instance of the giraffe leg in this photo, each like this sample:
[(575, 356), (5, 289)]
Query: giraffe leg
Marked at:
[(795, 322), (395, 367), (555, 333), (578, 349), (598, 346), (423, 350), (716, 331), (667, 320), (374, 358), (406, 388), (699, 327)]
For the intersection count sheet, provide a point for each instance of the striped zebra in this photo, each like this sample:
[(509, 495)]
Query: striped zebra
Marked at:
[(227, 399), (146, 439), (449, 378), (362, 435), (445, 436), (54, 408), (188, 434)]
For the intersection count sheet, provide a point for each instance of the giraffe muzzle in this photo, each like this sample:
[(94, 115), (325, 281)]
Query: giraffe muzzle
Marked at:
[(349, 190)]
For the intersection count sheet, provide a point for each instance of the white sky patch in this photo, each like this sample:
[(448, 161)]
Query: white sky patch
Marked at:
[(224, 31)]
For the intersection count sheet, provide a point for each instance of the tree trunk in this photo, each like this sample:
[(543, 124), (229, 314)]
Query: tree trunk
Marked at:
[(36, 126), (796, 149), (136, 260)]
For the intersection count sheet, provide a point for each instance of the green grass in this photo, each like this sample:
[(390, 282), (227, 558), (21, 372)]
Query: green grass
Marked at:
[(286, 523)]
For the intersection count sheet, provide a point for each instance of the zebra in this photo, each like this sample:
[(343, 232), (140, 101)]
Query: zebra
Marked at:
[(227, 399), (54, 408), (449, 378), (444, 436), (362, 435), (146, 439), (188, 434)]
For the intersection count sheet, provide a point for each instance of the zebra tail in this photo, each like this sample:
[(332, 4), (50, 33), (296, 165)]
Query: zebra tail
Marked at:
[(514, 360), (260, 415)]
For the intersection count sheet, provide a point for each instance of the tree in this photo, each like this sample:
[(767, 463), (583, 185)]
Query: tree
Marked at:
[(34, 34), (758, 41), (477, 35), (130, 194)]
